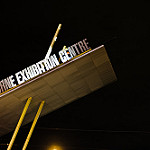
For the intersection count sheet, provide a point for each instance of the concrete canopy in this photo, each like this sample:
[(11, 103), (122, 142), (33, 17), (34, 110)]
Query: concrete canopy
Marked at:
[(58, 87)]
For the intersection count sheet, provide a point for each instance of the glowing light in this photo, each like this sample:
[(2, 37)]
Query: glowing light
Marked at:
[(54, 147)]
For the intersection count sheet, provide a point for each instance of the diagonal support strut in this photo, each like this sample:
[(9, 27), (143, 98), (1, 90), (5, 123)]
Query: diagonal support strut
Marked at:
[(33, 125), (19, 123)]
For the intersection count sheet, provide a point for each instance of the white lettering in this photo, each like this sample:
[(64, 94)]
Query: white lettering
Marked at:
[(1, 88), (43, 65), (40, 66), (12, 80), (86, 44), (7, 83), (82, 47), (62, 56), (72, 52), (48, 63), (35, 70), (54, 60), (19, 77), (28, 72)]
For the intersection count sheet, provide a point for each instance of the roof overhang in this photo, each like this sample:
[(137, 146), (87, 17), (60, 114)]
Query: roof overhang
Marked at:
[(58, 87)]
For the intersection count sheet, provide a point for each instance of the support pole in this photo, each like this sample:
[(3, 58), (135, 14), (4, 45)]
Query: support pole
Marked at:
[(33, 125), (53, 41), (19, 123)]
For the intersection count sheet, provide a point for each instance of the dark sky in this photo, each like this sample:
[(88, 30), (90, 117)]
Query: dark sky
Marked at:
[(114, 117)]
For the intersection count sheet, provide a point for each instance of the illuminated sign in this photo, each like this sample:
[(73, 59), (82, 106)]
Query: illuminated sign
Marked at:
[(49, 62)]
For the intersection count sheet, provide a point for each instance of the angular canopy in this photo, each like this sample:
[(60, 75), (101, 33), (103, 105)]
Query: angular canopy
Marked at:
[(58, 87)]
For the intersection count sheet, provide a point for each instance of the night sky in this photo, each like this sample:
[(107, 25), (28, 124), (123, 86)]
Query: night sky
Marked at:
[(116, 117)]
